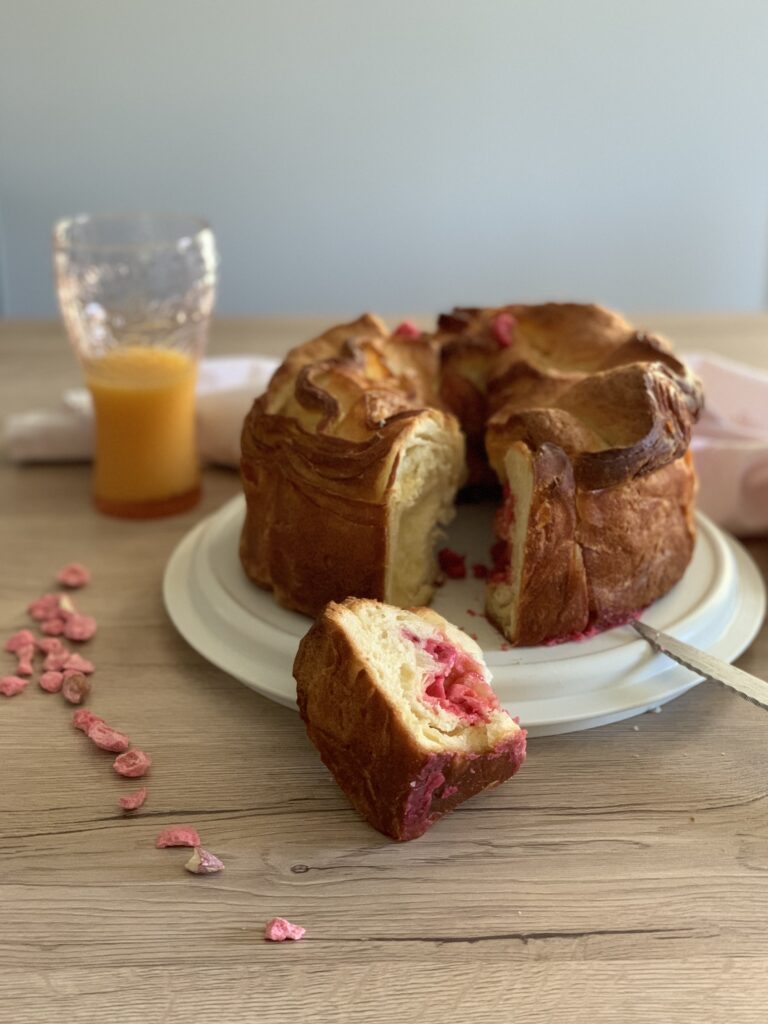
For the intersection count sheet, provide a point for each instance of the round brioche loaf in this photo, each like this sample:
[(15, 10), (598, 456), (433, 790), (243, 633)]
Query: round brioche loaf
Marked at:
[(352, 459)]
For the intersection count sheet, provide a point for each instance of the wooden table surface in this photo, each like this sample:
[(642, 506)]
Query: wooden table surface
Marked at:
[(622, 876)]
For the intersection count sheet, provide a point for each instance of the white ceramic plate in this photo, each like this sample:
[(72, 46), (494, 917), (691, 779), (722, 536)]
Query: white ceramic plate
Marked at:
[(718, 605)]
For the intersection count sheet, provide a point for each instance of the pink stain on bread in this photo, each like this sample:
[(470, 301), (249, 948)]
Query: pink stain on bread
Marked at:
[(457, 683)]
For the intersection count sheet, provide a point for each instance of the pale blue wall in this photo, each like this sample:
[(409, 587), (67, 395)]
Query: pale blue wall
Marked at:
[(401, 154)]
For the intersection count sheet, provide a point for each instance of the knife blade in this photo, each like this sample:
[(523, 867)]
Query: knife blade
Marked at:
[(749, 687)]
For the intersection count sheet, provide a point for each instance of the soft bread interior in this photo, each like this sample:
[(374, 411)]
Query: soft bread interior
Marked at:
[(503, 594), (421, 504), (382, 637)]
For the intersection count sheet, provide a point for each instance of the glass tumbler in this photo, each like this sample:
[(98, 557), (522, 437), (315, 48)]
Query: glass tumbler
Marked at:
[(136, 292)]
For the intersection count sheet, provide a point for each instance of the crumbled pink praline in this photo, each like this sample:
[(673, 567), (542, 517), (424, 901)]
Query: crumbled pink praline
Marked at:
[(132, 801), (452, 564), (53, 626), (51, 681), (24, 656), (75, 687), (73, 575), (458, 684), (83, 719), (50, 645), (11, 685), (407, 329), (56, 660), (78, 663), (177, 835), (21, 638), (503, 328), (107, 738), (45, 607), (203, 862), (80, 627), (69, 673), (133, 764), (278, 930)]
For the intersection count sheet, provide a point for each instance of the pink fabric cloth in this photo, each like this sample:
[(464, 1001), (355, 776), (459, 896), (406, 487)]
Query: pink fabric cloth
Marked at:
[(730, 444)]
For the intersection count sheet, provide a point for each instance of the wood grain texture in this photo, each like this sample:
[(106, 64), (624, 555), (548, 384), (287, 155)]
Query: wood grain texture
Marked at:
[(622, 876)]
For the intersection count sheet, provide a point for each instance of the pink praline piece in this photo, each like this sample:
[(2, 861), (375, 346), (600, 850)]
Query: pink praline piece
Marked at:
[(73, 576), (45, 607), (24, 656), (280, 930), (11, 685), (503, 329), (132, 801), (80, 627), (83, 719), (133, 764), (51, 681), (407, 329), (203, 862), (178, 835), (22, 638)]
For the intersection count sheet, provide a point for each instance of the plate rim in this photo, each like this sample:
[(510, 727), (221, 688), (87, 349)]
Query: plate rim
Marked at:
[(180, 608)]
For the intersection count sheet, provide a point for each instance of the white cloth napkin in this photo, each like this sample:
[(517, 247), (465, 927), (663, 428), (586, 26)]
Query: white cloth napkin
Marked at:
[(226, 388), (730, 443)]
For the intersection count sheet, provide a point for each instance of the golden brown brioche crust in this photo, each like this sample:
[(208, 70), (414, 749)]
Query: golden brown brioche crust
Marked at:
[(614, 425), (320, 450), (316, 526), (594, 559), (348, 381), (397, 785), (636, 539)]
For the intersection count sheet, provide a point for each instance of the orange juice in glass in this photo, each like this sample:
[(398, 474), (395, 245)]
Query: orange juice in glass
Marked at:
[(136, 293)]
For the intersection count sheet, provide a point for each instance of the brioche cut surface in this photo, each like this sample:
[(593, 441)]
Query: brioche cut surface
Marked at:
[(350, 468), (352, 459), (400, 708)]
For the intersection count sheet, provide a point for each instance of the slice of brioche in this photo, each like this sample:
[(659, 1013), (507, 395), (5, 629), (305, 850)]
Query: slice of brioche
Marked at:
[(400, 707)]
